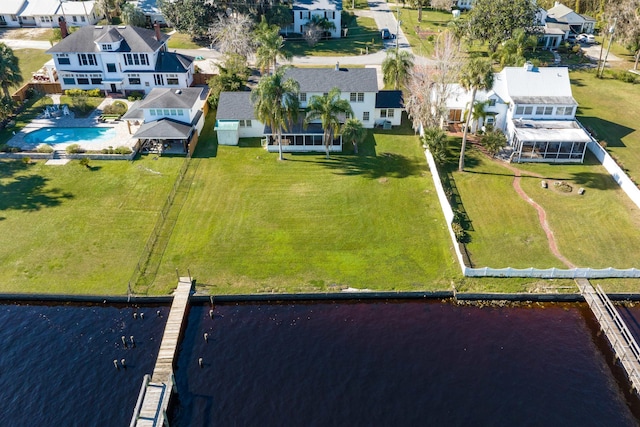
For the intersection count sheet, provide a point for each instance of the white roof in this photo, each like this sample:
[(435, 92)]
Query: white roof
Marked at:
[(40, 8), (537, 83), (77, 7), (11, 7), (550, 131), (459, 98)]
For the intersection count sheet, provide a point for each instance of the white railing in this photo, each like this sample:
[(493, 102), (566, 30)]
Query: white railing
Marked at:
[(616, 172)]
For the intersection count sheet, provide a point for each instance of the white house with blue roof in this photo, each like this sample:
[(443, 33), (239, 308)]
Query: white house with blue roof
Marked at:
[(235, 116), (120, 59)]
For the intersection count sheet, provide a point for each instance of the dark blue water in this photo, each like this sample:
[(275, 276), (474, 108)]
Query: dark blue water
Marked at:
[(56, 363), (400, 364), (356, 364)]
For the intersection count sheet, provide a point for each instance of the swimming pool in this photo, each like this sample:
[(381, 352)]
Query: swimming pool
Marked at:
[(85, 137)]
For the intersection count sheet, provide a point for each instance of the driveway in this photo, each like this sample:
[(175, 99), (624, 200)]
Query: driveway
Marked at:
[(593, 52)]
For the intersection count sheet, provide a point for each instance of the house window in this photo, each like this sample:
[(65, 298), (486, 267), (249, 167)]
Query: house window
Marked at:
[(564, 111), (492, 103), (303, 96), (111, 68), (152, 112), (356, 96), (383, 113), (172, 82), (528, 110), (352, 96), (107, 47), (539, 111), (69, 80), (181, 112), (360, 96), (347, 115), (519, 110), (158, 79), (490, 120), (365, 116), (245, 123), (174, 112), (87, 59), (390, 112), (136, 59), (14, 18), (166, 111), (75, 19), (64, 61), (134, 80), (82, 18), (96, 81), (83, 81)]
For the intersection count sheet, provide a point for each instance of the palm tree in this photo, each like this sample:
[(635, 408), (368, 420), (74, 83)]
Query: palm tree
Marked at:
[(328, 108), (353, 131), (276, 103), (9, 70), (436, 141), (478, 113), (396, 67), (270, 46), (476, 74)]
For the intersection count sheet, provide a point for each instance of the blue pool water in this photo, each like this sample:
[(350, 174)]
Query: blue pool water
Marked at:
[(82, 136)]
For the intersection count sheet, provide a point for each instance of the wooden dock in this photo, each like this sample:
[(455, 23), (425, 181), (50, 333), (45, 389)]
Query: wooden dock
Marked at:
[(615, 329), (153, 400)]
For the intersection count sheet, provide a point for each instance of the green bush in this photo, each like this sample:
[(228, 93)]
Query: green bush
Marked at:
[(123, 150), (117, 108), (44, 148), (134, 96), (75, 92), (461, 235), (84, 162), (26, 160), (74, 149), (94, 93)]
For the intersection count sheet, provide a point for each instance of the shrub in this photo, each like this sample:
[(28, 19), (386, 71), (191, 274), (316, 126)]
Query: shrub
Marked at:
[(123, 150), (75, 92), (74, 149), (461, 235), (117, 108), (44, 148), (84, 162), (134, 96), (26, 160), (94, 93)]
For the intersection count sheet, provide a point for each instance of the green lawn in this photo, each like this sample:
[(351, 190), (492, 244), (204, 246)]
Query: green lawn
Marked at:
[(421, 35), (611, 108), (183, 41), (254, 224), (363, 36), (33, 107), (30, 61), (599, 229), (69, 229)]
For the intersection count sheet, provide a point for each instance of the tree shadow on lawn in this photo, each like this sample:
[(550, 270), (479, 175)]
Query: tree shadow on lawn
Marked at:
[(604, 130), (383, 165), (28, 193)]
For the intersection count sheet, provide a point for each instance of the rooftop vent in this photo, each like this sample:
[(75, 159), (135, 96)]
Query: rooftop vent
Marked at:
[(528, 66), (122, 27), (98, 27)]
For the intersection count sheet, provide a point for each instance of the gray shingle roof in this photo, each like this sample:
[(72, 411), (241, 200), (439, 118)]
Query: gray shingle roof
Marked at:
[(110, 36), (389, 99), (235, 106), (324, 79), (135, 39), (172, 98), (164, 129)]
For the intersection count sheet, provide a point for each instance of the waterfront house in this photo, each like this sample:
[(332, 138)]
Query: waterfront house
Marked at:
[(359, 86), (535, 109), (119, 59), (170, 118)]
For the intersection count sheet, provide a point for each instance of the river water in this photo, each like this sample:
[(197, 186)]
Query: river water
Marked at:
[(356, 364)]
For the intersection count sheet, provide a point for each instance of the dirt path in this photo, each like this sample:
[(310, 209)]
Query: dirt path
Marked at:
[(542, 215)]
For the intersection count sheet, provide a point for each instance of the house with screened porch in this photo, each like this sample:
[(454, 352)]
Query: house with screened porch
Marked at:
[(535, 108)]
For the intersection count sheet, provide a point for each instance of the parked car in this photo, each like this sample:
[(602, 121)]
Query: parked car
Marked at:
[(586, 39), (386, 34)]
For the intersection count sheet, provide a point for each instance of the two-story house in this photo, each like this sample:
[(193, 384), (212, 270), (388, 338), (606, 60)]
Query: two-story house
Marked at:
[(536, 110), (235, 117), (304, 10), (171, 118), (120, 59)]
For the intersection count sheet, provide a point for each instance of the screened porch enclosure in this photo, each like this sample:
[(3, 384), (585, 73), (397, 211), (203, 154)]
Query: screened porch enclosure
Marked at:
[(299, 139), (549, 141)]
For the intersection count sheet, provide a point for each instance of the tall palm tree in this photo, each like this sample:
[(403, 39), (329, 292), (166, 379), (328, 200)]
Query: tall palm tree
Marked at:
[(396, 67), (9, 70), (328, 108), (353, 131), (270, 46), (276, 103), (476, 74)]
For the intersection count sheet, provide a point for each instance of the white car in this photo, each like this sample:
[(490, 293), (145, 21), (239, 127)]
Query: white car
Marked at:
[(586, 39)]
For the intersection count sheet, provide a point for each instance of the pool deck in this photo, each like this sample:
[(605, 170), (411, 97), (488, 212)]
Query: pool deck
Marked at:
[(122, 138)]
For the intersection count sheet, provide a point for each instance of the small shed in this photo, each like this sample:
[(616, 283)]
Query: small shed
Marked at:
[(228, 132)]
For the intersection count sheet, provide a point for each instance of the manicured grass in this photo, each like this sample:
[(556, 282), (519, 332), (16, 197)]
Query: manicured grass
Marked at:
[(359, 38), (70, 229), (30, 61), (599, 229), (421, 35), (92, 104), (611, 109), (308, 224), (183, 41)]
